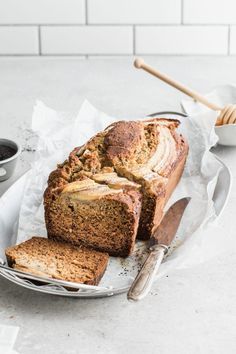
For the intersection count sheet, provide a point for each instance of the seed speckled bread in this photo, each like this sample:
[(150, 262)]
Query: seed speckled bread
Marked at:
[(47, 258), (128, 166)]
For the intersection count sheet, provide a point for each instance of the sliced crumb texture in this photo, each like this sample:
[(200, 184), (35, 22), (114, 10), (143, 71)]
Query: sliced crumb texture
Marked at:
[(47, 258), (98, 216)]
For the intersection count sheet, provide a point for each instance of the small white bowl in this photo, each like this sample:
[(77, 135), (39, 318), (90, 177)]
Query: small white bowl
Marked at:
[(226, 134)]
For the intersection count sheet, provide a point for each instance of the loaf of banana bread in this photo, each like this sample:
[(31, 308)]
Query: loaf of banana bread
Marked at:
[(116, 185)]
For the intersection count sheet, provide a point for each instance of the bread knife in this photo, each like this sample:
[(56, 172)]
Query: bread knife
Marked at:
[(158, 246)]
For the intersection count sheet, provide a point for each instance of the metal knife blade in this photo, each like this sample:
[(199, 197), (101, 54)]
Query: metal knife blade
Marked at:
[(169, 225), (158, 245)]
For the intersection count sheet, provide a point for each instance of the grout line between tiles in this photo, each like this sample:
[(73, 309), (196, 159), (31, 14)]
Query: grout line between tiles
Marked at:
[(118, 56), (115, 24), (229, 39), (39, 40), (134, 40), (86, 12), (182, 12)]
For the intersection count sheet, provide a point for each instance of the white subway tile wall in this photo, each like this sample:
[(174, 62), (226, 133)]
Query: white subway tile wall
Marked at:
[(19, 40), (134, 11), (117, 27), (42, 12), (181, 40), (210, 11), (87, 40), (233, 40)]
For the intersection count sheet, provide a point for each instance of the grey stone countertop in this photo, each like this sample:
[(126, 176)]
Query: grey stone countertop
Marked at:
[(189, 311)]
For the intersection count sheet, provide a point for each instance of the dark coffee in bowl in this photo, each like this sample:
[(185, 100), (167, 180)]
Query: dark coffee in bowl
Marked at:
[(6, 152)]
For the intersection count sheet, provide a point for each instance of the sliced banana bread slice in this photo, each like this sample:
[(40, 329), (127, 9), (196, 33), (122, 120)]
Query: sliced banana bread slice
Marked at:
[(94, 215), (47, 258)]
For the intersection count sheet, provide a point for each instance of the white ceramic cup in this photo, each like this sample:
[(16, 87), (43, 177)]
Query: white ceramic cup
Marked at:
[(7, 166)]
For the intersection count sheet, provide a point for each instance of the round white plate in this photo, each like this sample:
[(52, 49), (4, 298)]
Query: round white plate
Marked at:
[(122, 270)]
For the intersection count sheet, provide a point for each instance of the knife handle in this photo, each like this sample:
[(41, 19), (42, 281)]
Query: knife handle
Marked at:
[(143, 281)]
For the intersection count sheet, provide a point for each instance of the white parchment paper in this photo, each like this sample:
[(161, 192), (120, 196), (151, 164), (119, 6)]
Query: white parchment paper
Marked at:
[(197, 238)]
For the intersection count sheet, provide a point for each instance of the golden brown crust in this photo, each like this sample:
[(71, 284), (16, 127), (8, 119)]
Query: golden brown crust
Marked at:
[(122, 139)]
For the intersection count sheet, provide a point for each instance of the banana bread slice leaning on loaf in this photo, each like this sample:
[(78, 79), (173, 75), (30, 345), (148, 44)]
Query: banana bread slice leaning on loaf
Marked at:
[(134, 160), (95, 215), (47, 258)]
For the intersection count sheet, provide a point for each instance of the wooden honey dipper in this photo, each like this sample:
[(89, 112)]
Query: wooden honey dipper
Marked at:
[(227, 114)]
